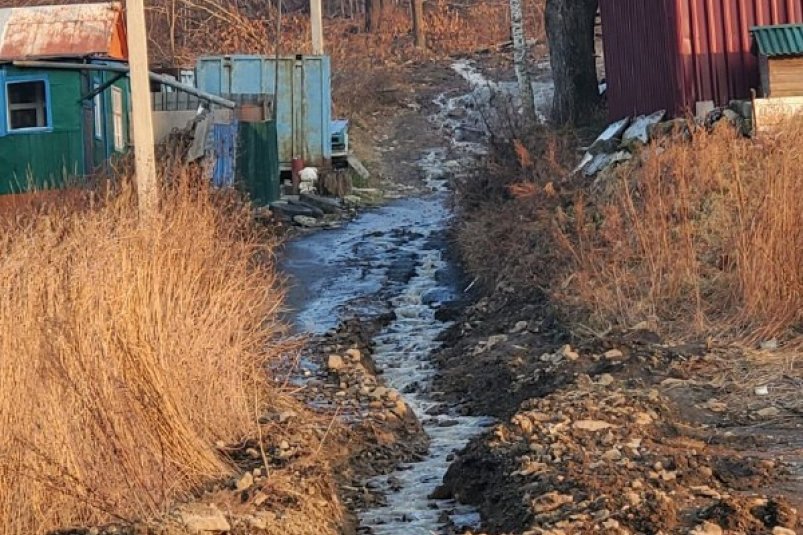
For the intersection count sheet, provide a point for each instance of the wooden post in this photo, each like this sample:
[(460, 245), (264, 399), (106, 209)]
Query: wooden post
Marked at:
[(317, 27), (418, 23), (147, 187)]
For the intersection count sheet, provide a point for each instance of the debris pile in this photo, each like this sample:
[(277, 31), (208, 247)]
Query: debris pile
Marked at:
[(620, 141)]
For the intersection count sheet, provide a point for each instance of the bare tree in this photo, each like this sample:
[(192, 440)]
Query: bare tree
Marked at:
[(520, 59), (418, 23), (570, 32), (373, 15)]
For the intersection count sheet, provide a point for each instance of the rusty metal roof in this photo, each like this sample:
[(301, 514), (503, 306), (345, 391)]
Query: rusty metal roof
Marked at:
[(63, 31), (779, 40)]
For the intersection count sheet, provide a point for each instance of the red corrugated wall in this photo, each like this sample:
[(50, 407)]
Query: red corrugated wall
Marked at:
[(669, 54)]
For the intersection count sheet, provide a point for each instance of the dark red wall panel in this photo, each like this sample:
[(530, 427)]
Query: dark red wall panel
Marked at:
[(672, 53)]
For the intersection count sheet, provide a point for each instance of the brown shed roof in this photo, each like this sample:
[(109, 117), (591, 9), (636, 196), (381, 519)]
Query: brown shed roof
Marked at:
[(64, 31)]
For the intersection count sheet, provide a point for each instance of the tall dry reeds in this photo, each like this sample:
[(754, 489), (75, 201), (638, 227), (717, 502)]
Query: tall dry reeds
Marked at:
[(126, 351), (706, 235)]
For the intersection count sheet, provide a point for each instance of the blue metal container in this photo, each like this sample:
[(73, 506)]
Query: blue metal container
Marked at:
[(303, 98)]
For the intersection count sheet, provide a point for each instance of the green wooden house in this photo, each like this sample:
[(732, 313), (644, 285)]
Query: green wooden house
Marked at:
[(64, 111)]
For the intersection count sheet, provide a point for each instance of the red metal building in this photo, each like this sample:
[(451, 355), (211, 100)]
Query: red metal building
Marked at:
[(671, 54)]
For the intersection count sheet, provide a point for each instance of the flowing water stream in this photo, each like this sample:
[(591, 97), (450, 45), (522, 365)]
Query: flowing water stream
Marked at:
[(392, 259)]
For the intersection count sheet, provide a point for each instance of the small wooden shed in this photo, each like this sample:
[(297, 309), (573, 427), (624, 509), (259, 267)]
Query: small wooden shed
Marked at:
[(780, 58), (60, 114)]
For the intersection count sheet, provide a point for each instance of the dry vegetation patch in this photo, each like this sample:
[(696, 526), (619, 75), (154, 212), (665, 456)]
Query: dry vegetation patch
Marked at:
[(700, 237), (128, 351)]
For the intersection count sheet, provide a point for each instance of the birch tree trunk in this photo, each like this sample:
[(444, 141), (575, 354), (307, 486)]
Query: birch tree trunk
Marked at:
[(570, 32), (520, 60)]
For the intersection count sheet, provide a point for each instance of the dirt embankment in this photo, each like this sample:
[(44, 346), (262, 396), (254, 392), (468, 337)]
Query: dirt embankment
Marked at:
[(619, 434)]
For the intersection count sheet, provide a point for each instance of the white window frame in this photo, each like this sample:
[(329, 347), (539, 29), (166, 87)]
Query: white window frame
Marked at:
[(117, 119), (44, 109)]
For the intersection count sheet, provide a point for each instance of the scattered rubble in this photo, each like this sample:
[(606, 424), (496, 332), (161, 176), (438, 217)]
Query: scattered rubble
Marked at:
[(622, 140)]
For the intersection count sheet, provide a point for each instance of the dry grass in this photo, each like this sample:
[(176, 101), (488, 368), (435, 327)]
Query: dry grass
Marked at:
[(699, 238), (706, 235), (126, 352)]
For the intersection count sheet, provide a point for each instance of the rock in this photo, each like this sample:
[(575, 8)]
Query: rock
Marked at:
[(284, 445), (707, 528), (286, 416), (550, 501), (305, 221), (715, 405), (597, 164), (768, 412), (245, 482), (613, 354), (778, 530), (761, 391), (612, 455), (606, 379), (253, 453), (519, 327), (255, 522), (379, 392), (335, 363), (743, 107), (642, 418), (352, 200), (769, 345), (639, 129), (327, 205), (606, 142), (705, 490), (592, 425), (202, 518), (495, 339), (633, 498), (400, 409), (354, 354), (731, 116), (567, 352)]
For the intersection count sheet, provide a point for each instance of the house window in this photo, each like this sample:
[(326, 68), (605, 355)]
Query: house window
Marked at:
[(26, 103), (117, 119), (98, 110)]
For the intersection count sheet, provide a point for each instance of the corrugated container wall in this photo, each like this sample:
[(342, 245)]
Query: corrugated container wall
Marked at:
[(670, 54), (303, 102)]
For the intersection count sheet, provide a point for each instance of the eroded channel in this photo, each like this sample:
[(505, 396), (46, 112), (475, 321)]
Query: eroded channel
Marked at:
[(392, 259)]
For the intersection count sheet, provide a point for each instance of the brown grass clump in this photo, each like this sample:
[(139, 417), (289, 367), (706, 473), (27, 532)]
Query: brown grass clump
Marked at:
[(699, 237), (705, 235), (127, 351)]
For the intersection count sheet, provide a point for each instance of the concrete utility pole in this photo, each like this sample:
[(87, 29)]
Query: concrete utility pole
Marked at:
[(147, 187), (317, 27)]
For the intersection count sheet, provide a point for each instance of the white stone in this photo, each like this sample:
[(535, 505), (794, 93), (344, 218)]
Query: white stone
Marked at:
[(335, 362), (201, 518)]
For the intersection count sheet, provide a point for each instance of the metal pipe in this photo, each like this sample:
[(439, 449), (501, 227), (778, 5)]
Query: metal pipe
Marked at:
[(124, 69)]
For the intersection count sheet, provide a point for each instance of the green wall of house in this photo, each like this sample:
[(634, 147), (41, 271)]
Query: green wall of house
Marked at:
[(46, 158)]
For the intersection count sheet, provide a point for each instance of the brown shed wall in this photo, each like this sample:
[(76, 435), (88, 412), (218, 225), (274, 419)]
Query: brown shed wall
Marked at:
[(708, 42), (786, 77)]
